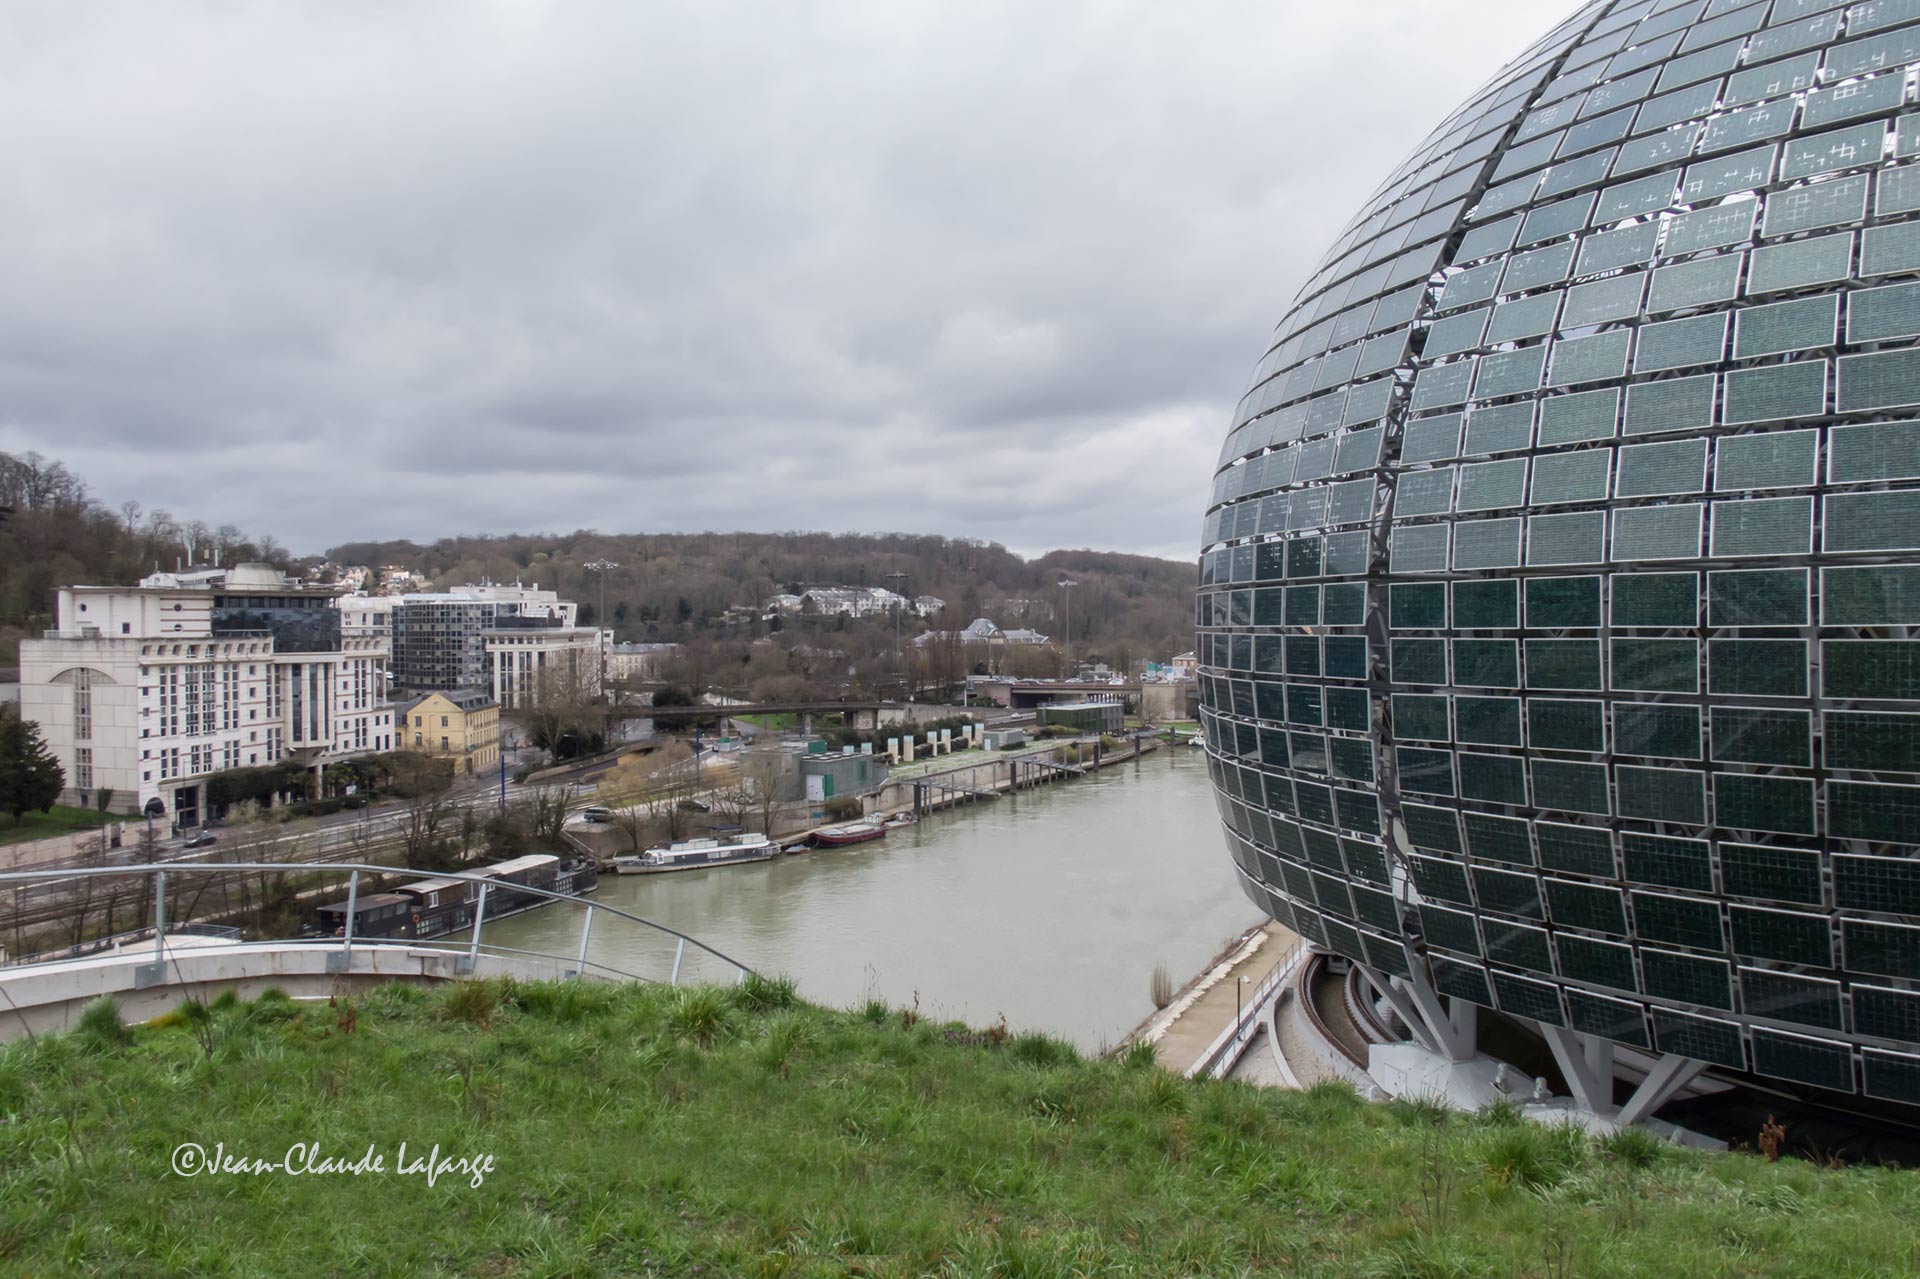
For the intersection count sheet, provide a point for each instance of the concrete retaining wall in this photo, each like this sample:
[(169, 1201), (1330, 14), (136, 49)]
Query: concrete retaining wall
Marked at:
[(60, 850), (49, 997)]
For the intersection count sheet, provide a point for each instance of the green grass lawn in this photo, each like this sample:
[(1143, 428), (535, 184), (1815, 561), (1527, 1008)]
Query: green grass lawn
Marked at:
[(645, 1131), (61, 821)]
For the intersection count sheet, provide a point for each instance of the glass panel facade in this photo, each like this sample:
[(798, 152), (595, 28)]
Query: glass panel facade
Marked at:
[(1637, 518)]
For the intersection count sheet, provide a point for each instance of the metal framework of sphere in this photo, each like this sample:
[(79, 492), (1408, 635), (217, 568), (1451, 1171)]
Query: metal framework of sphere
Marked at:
[(1556, 614)]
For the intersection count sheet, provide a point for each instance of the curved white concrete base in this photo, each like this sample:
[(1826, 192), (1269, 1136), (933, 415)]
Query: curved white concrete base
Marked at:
[(1411, 1071), (49, 997)]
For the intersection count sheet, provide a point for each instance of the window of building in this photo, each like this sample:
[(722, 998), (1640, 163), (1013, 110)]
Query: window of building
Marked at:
[(83, 768), (83, 704)]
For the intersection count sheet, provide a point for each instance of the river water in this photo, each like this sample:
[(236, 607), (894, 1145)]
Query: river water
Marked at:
[(1051, 907)]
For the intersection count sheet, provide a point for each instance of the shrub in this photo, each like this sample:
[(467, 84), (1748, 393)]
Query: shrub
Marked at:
[(273, 1005), (1634, 1147), (788, 1035), (100, 1025), (758, 994), (1503, 1112), (1165, 1093), (1419, 1112), (1161, 986), (1532, 1157), (473, 1002), (1042, 1050), (699, 1014)]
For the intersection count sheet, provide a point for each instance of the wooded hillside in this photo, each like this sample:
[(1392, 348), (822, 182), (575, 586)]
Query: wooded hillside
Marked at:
[(680, 585), (59, 535)]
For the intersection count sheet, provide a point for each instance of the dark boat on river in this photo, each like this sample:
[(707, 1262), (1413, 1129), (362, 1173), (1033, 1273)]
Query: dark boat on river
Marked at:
[(436, 907)]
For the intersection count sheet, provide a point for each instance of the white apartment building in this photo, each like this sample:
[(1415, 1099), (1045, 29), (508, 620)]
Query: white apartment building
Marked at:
[(845, 601), (530, 662), (148, 690)]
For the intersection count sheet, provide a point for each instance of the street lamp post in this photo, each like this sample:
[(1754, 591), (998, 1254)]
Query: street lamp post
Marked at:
[(897, 577), (1066, 589), (601, 567), (1239, 989)]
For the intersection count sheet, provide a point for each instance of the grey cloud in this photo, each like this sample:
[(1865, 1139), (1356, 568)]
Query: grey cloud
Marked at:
[(990, 270)]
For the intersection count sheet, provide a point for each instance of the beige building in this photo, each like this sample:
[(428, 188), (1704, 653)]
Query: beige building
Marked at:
[(637, 662), (463, 726)]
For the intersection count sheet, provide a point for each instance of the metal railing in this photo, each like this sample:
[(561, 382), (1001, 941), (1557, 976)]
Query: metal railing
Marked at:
[(467, 948), (118, 941), (1232, 1042)]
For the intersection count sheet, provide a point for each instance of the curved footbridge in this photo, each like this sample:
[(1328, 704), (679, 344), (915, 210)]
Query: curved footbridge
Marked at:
[(150, 971)]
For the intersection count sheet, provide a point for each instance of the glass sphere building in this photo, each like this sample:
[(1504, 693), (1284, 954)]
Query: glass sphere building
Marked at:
[(1557, 614)]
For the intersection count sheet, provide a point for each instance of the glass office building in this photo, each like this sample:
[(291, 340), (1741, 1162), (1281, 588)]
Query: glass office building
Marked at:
[(1562, 567)]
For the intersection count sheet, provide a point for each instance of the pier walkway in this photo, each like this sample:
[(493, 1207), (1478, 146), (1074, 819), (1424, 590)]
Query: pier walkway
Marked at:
[(1188, 1031)]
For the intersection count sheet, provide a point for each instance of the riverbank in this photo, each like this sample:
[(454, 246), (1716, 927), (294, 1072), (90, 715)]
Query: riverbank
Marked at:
[(983, 775), (638, 1131), (1050, 905)]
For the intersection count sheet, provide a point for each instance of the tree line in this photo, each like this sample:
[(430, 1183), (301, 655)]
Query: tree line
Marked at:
[(680, 586), (59, 534)]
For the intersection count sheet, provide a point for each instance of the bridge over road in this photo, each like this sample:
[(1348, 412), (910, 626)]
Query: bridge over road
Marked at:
[(865, 716)]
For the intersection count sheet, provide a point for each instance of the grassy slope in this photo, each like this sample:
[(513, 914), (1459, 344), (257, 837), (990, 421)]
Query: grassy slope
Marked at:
[(806, 1142), (62, 820)]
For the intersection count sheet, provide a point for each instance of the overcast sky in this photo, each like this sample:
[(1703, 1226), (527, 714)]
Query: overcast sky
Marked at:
[(358, 269)]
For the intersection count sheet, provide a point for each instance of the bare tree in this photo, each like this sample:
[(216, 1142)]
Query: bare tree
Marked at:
[(92, 853), (195, 540), (566, 709), (633, 821), (420, 826), (547, 813), (760, 776)]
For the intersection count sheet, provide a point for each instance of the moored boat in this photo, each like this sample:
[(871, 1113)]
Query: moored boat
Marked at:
[(696, 853), (435, 907), (851, 833)]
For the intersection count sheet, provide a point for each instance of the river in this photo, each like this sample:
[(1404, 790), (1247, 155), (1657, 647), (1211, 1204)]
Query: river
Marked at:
[(1051, 906)]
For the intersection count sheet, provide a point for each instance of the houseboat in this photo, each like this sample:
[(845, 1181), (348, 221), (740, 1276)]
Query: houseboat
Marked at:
[(851, 833), (436, 907), (694, 854)]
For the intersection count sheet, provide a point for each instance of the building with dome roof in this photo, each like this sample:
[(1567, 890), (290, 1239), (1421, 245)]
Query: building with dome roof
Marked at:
[(1557, 648)]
